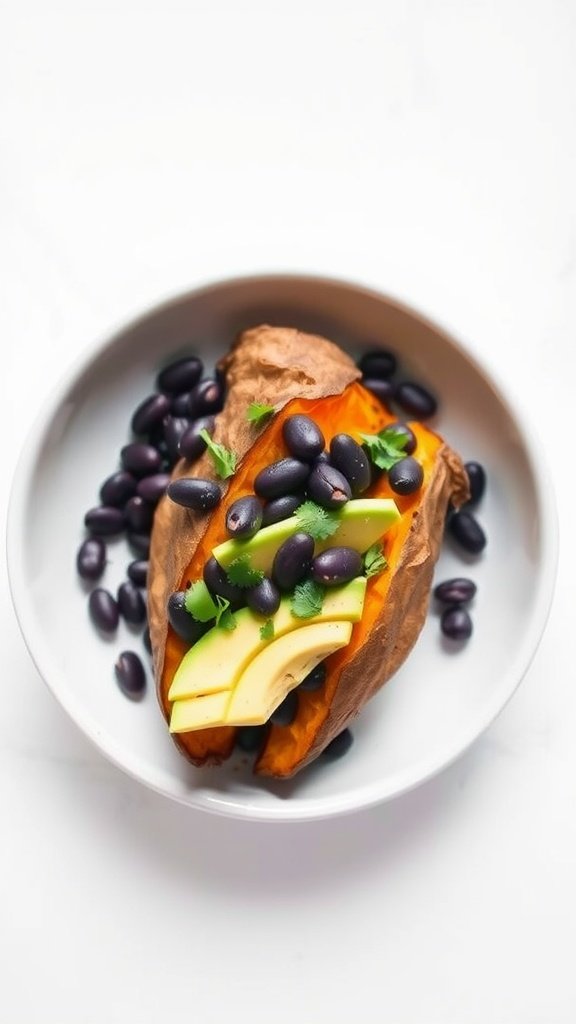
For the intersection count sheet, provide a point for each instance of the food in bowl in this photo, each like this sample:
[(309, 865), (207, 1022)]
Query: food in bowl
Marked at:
[(305, 535)]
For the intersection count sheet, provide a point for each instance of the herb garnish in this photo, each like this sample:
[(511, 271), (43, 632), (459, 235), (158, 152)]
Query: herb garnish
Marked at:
[(316, 521), (374, 560), (223, 459), (307, 600), (267, 630), (241, 574), (386, 448), (257, 412)]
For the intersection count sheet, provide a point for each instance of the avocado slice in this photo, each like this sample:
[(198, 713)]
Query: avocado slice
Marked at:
[(280, 667), (199, 712), (218, 659), (362, 523), (276, 670)]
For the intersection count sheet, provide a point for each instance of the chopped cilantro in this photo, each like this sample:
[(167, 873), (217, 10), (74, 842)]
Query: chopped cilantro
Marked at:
[(227, 620), (316, 521), (267, 630), (241, 574), (257, 412), (374, 560), (224, 460), (385, 448), (307, 600)]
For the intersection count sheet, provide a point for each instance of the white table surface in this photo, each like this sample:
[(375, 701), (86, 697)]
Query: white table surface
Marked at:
[(427, 148)]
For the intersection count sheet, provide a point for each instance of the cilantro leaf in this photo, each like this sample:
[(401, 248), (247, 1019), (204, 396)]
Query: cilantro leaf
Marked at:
[(222, 606), (386, 448), (199, 602), (307, 600), (227, 620), (223, 459), (241, 574), (267, 630), (316, 521), (374, 560), (257, 412)]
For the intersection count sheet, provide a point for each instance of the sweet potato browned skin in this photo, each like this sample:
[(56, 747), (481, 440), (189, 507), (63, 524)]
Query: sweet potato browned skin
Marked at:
[(396, 601)]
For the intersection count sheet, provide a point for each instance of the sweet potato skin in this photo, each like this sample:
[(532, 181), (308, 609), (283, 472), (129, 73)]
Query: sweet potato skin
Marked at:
[(277, 366)]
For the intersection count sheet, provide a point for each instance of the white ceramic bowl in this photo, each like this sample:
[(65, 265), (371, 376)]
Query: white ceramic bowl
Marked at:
[(437, 704)]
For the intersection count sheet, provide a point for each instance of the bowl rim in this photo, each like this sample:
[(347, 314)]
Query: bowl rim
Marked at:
[(363, 796)]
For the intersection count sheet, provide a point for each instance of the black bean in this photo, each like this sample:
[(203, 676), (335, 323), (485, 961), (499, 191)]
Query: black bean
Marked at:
[(404, 429), (217, 582), (141, 459), (244, 517), (456, 591), (264, 598), (140, 543), (281, 508), (250, 738), (352, 461), (406, 476), (477, 480), (379, 364), (336, 565), (315, 679), (303, 437), (138, 572), (180, 405), (118, 488), (139, 514), (467, 531), (105, 520), (328, 486), (131, 603), (195, 493), (103, 610), (191, 445), (150, 412), (130, 675), (281, 478), (292, 561), (174, 429), (339, 746), (146, 640), (382, 389), (205, 398), (91, 558), (181, 621), (456, 623), (181, 375), (151, 488), (415, 400), (286, 712)]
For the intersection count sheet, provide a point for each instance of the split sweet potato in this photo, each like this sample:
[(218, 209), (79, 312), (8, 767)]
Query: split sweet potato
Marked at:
[(301, 373)]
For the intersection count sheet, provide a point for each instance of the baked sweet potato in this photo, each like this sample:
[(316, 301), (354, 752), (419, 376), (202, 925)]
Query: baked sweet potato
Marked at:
[(298, 373)]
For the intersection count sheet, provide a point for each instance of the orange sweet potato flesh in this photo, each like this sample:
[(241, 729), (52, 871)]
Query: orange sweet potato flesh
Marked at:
[(301, 373)]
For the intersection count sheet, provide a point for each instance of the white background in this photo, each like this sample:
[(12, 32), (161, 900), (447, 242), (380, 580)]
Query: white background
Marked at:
[(427, 148)]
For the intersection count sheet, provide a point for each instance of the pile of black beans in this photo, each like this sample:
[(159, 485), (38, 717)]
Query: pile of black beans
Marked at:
[(165, 427)]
